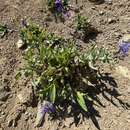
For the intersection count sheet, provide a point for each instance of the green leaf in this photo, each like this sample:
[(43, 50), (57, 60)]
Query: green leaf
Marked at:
[(18, 75), (3, 30), (81, 101), (53, 93)]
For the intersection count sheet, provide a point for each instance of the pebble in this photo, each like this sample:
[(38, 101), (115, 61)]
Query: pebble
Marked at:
[(20, 44), (117, 35), (101, 13), (108, 1), (26, 96), (110, 20), (93, 8), (2, 113), (69, 122), (10, 122), (126, 38), (26, 113)]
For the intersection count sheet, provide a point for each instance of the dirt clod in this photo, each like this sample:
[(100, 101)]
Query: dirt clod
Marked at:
[(25, 96)]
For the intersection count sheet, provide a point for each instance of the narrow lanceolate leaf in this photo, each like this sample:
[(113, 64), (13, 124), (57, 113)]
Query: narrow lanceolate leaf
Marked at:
[(81, 101), (18, 75), (53, 93)]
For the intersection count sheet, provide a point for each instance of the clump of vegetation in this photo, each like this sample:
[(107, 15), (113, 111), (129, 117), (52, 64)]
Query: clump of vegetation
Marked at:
[(58, 70), (3, 30), (59, 8), (82, 23), (84, 28)]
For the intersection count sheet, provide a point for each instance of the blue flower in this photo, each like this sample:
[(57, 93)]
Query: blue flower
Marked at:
[(59, 6), (47, 107), (124, 48), (61, 9), (43, 108), (24, 23)]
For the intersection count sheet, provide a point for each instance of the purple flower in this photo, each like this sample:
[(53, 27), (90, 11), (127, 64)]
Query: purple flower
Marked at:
[(59, 6), (24, 23), (66, 14), (124, 48), (47, 107), (43, 108)]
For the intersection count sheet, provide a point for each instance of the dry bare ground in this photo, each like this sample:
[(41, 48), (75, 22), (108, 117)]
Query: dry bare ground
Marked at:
[(112, 19)]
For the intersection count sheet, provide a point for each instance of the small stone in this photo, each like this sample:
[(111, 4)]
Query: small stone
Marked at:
[(26, 96), (30, 115), (26, 113), (108, 1), (10, 122), (2, 113), (69, 122), (126, 38), (117, 35), (118, 113), (101, 13), (20, 43), (110, 20), (93, 8)]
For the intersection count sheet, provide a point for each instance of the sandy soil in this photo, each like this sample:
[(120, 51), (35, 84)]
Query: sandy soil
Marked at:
[(113, 20)]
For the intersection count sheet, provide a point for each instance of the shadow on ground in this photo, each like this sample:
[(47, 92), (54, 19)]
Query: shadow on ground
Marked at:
[(107, 87)]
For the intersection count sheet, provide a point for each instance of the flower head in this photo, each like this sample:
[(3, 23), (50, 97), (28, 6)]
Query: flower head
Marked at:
[(43, 108), (124, 48), (24, 23), (59, 6), (47, 107)]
